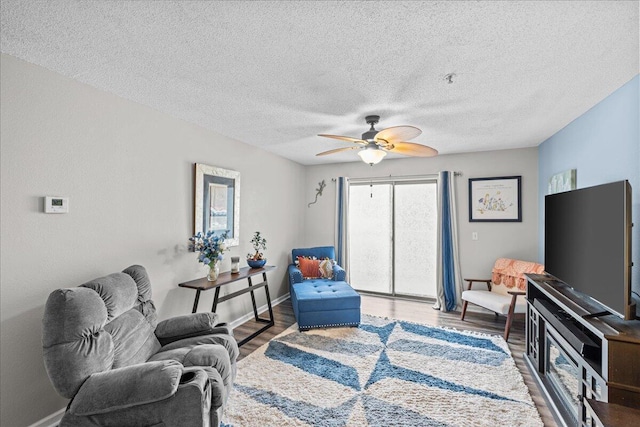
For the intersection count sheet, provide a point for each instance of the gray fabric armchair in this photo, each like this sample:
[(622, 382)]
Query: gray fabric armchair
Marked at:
[(105, 350)]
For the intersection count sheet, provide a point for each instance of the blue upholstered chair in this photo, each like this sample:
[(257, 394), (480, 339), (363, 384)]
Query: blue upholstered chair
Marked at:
[(320, 252), (322, 302)]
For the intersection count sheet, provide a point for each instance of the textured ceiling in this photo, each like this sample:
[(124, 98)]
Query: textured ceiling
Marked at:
[(275, 74)]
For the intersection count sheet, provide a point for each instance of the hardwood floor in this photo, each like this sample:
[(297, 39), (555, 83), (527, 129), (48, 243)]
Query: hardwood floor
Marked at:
[(419, 312)]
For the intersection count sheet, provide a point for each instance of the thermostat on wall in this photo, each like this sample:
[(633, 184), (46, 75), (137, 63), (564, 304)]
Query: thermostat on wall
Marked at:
[(56, 204)]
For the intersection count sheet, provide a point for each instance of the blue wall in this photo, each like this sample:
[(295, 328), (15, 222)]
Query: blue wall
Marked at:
[(604, 146)]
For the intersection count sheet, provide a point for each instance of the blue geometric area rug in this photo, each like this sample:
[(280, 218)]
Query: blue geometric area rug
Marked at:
[(383, 373)]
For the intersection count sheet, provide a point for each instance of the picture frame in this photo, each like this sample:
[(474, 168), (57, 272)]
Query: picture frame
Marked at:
[(495, 199), (217, 202)]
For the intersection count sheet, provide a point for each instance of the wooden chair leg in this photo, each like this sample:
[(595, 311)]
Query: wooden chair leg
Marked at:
[(464, 309), (507, 326)]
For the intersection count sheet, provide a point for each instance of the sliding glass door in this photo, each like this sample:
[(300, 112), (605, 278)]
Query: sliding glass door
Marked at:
[(415, 239), (370, 237), (392, 237)]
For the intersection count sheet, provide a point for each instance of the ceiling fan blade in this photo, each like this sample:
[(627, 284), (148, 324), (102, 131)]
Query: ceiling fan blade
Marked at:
[(398, 134), (336, 150), (344, 138), (413, 149)]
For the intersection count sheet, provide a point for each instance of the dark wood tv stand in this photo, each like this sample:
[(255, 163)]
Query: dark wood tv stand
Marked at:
[(575, 357)]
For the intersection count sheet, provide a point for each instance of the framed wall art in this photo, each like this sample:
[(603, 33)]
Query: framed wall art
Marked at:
[(495, 199), (563, 181), (217, 202)]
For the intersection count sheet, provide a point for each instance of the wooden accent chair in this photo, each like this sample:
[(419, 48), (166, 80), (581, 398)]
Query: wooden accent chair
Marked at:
[(506, 289)]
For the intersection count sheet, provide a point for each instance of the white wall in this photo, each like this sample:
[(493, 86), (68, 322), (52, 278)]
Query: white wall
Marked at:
[(513, 240), (128, 171)]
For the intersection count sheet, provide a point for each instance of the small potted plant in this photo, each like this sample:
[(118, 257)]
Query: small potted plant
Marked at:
[(257, 260)]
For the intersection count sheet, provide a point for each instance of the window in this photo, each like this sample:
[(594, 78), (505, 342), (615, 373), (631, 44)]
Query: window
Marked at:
[(392, 237)]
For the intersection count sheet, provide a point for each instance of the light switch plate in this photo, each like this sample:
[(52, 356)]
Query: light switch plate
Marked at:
[(54, 204)]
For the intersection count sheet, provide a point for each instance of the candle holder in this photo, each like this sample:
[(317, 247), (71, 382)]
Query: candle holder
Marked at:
[(235, 264)]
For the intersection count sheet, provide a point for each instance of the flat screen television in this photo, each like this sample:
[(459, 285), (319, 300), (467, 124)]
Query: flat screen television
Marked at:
[(588, 243)]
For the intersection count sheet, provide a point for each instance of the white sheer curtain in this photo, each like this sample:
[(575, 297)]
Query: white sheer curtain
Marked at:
[(342, 224), (449, 279)]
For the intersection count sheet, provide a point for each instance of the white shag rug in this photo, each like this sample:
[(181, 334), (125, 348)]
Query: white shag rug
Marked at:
[(383, 373)]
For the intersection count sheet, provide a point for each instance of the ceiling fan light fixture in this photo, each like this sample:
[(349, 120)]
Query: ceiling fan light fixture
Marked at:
[(372, 155), (375, 144)]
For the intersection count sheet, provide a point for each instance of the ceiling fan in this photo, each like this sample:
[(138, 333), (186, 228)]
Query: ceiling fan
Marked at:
[(375, 144)]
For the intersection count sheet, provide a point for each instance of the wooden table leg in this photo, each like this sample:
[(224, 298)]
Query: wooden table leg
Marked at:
[(253, 300), (266, 289), (215, 300), (195, 303), (268, 322)]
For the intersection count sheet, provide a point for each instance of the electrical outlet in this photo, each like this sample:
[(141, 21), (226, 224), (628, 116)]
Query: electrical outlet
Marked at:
[(474, 235)]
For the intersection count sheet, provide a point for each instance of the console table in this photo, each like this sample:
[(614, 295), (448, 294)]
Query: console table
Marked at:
[(612, 415), (227, 278), (586, 366)]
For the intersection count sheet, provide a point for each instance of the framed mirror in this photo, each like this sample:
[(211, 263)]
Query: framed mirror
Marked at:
[(217, 202)]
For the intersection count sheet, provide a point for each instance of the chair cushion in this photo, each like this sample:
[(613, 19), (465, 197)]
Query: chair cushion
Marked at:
[(132, 334), (83, 305), (75, 344), (224, 339), (118, 291), (210, 353), (145, 304), (495, 302), (319, 295), (126, 387), (133, 339), (189, 325)]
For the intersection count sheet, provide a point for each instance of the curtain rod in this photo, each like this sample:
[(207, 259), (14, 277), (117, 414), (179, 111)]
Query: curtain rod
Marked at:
[(397, 178)]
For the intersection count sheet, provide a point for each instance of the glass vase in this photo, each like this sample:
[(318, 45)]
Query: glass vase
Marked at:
[(214, 270)]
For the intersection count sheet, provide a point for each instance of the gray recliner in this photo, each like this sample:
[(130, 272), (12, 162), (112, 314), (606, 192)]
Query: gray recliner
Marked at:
[(105, 350)]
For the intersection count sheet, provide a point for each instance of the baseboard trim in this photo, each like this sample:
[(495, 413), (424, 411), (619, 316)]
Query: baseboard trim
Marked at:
[(51, 421), (54, 419)]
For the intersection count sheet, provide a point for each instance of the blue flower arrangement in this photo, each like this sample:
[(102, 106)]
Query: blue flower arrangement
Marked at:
[(210, 245)]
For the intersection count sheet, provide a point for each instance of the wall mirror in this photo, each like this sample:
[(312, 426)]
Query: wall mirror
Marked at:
[(217, 202)]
